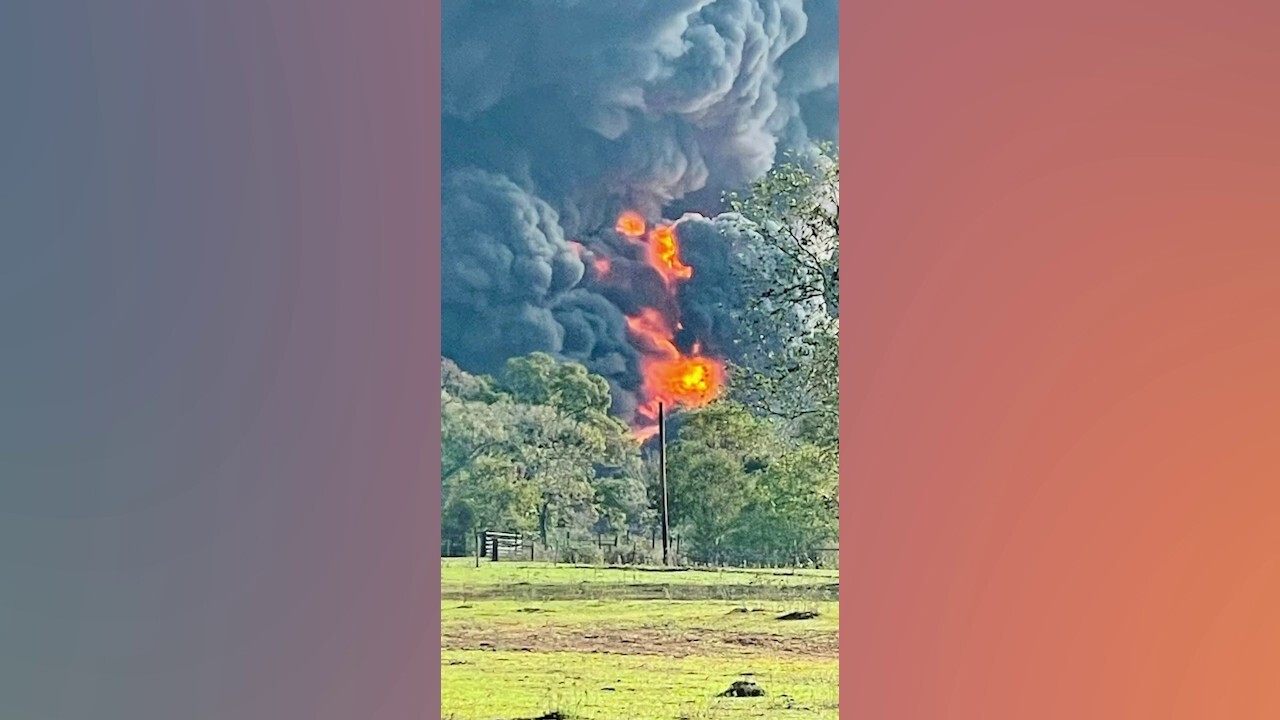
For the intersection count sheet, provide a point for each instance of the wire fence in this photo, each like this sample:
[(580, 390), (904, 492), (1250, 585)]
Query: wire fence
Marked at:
[(620, 548)]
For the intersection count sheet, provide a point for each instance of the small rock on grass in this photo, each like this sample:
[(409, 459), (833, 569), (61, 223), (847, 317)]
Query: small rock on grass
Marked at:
[(743, 688), (799, 615)]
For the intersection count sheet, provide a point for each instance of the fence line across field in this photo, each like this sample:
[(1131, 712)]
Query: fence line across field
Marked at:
[(625, 547), (496, 544)]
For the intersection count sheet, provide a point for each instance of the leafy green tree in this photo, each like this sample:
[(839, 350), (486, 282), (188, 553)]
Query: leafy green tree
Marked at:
[(741, 491), (712, 471), (584, 470), (789, 265), (535, 448), (490, 493), (481, 433), (537, 379), (457, 383), (791, 517)]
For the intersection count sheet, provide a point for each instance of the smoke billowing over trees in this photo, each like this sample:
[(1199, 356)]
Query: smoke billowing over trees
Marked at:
[(559, 114), (753, 477)]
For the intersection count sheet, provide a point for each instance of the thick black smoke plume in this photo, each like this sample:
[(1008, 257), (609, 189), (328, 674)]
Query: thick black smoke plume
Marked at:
[(558, 114)]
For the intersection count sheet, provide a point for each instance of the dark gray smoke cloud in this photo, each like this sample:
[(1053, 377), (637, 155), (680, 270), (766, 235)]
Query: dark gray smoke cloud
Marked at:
[(711, 301), (595, 335), (505, 264), (560, 113)]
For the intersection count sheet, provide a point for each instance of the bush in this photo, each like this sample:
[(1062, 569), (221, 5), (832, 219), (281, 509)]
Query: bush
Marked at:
[(637, 555), (579, 553)]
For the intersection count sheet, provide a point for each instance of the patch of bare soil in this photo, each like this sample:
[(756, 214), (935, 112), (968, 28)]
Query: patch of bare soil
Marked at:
[(639, 641)]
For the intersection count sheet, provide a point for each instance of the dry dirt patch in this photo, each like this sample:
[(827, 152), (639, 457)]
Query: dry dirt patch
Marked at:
[(639, 641)]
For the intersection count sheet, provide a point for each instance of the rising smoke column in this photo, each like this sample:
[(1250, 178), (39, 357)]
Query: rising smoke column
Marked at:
[(561, 114)]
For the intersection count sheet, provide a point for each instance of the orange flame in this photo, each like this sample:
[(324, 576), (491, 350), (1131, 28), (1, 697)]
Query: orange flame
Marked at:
[(670, 376), (664, 254), (631, 224), (654, 329), (687, 381)]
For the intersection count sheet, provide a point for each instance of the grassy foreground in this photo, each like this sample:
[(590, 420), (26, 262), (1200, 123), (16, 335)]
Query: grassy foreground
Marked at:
[(524, 641)]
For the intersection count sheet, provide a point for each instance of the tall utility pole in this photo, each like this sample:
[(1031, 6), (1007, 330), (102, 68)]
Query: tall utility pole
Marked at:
[(662, 479)]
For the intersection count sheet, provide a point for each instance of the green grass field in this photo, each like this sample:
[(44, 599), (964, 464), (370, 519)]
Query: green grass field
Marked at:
[(524, 641)]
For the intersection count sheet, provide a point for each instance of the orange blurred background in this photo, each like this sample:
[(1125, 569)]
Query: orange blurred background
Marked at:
[(1061, 360)]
